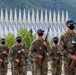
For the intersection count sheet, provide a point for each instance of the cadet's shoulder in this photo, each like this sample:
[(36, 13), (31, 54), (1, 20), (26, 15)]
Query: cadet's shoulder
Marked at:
[(64, 34), (14, 45), (0, 45), (75, 32), (6, 46), (35, 41), (52, 46)]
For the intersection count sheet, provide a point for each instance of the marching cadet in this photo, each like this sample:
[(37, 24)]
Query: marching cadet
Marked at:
[(68, 43), (4, 52), (18, 55), (56, 57), (38, 52)]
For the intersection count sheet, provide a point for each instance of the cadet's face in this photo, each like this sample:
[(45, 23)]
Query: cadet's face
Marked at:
[(40, 34), (70, 26)]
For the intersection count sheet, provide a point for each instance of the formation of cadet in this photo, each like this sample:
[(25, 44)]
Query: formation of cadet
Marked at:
[(56, 57), (39, 53), (68, 43), (18, 58), (3, 58)]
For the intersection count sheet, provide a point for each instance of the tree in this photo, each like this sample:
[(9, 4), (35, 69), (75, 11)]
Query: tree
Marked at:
[(10, 39), (26, 37)]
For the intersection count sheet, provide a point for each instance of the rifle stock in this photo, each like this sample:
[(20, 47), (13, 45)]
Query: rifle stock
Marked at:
[(18, 57), (73, 63), (56, 61)]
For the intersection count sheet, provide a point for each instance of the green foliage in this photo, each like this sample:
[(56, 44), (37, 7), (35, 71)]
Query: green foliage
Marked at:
[(51, 41), (26, 37), (10, 40)]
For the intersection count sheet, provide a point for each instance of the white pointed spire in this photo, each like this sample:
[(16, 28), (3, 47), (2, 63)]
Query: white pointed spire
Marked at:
[(15, 15), (37, 16), (58, 18), (67, 15), (62, 16), (11, 16), (46, 18), (20, 16), (33, 16), (28, 18), (2, 16), (24, 16), (6, 16), (54, 17), (41, 17), (50, 17)]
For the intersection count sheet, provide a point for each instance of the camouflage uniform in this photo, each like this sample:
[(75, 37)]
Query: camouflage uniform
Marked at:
[(34, 52), (56, 68), (22, 67), (68, 47), (4, 57), (31, 59)]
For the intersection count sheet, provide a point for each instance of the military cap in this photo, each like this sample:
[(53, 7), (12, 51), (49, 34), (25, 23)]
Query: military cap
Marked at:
[(55, 38), (40, 31), (70, 22), (2, 39), (18, 37)]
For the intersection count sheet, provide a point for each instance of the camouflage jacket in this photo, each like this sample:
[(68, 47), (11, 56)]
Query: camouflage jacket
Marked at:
[(2, 55), (35, 49), (66, 44), (14, 53)]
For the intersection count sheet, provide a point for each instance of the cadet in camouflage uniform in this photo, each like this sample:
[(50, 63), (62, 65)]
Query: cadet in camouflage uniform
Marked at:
[(18, 56), (3, 58), (68, 43), (39, 50), (56, 57)]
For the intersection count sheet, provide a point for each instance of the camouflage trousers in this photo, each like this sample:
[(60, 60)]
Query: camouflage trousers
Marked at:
[(56, 69), (40, 70), (3, 70), (67, 70), (22, 70)]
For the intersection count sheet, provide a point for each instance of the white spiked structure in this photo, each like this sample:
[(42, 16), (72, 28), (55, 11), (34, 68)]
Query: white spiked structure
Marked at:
[(16, 20), (24, 16)]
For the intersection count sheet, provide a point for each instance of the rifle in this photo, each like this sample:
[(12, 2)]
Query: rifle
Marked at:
[(19, 56), (58, 55), (41, 48), (73, 63)]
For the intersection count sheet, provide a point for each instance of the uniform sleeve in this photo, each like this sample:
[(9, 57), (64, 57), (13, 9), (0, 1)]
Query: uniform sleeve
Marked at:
[(11, 54), (26, 53), (63, 47), (51, 53), (48, 48), (32, 50), (7, 51)]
